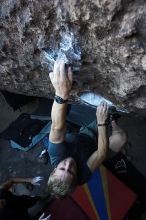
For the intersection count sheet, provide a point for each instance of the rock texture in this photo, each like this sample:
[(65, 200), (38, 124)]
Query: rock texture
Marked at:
[(112, 36)]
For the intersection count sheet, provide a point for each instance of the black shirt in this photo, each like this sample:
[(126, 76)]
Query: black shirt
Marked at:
[(78, 146)]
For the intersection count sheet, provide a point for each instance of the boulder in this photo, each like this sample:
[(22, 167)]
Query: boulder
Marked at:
[(112, 39)]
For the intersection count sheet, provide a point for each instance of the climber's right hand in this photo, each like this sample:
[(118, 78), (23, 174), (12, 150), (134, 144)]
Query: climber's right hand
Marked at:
[(61, 79)]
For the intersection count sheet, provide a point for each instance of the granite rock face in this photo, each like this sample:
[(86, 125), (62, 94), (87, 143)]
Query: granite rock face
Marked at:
[(112, 37)]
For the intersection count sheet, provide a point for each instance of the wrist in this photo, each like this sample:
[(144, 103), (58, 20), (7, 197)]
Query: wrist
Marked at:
[(63, 96), (29, 180), (101, 124), (60, 100)]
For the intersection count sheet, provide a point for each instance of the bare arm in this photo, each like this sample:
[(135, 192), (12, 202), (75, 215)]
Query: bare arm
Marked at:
[(8, 184), (34, 181), (62, 82), (99, 155), (58, 126)]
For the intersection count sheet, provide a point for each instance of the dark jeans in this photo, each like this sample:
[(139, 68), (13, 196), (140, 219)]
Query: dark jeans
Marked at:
[(90, 130)]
